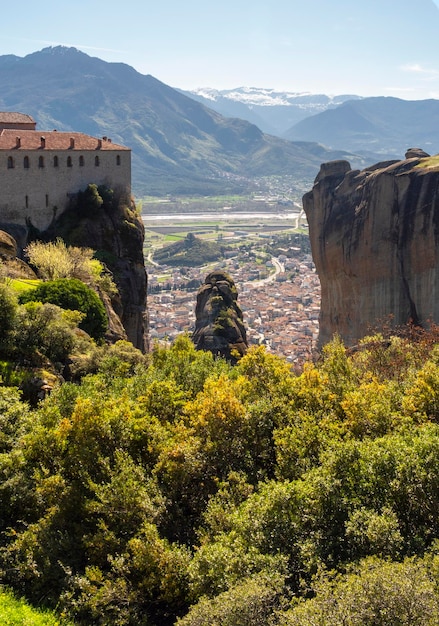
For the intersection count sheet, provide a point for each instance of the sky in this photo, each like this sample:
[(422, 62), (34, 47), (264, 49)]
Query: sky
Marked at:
[(368, 48)]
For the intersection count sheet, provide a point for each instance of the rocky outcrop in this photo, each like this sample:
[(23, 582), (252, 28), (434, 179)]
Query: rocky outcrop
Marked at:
[(10, 264), (115, 231), (374, 238), (219, 327), (8, 246)]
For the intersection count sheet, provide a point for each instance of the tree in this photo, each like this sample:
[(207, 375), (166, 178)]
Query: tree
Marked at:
[(55, 260), (8, 313), (73, 294), (374, 593), (44, 330)]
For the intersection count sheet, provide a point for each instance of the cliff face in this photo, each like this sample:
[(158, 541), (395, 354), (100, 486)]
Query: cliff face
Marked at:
[(374, 238), (219, 327), (116, 232)]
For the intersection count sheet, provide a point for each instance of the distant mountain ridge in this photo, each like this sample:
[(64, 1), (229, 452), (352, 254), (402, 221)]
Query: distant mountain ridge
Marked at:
[(373, 127), (273, 111), (383, 125), (179, 146)]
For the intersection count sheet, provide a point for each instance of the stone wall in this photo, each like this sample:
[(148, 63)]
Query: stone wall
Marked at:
[(40, 193)]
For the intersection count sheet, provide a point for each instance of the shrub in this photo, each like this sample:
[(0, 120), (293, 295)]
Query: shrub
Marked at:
[(44, 330), (8, 312), (73, 294), (373, 593)]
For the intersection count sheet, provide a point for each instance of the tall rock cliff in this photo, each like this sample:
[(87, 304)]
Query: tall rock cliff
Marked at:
[(219, 327), (374, 238), (116, 232)]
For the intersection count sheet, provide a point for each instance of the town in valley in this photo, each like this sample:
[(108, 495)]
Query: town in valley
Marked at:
[(270, 262)]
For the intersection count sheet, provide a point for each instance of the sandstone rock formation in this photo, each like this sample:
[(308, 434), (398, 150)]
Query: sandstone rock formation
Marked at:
[(219, 327), (8, 246), (374, 238), (10, 264), (116, 232)]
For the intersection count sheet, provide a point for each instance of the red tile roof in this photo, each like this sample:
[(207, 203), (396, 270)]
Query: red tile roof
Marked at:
[(17, 139), (11, 117)]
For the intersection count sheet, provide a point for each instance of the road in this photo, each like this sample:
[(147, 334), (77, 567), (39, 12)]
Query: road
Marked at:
[(279, 267)]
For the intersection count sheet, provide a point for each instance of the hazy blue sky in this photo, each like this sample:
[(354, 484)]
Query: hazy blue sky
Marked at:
[(373, 47)]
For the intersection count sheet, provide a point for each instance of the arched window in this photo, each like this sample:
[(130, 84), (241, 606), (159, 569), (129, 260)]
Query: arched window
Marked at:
[(118, 159), (10, 163), (81, 161), (97, 161), (55, 161), (26, 162), (40, 161), (69, 161)]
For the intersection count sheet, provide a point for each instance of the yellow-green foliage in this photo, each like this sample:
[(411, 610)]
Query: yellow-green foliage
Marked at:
[(432, 161), (17, 612), (175, 488), (22, 284), (54, 260)]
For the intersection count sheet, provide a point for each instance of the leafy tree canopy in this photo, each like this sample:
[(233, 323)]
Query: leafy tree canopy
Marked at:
[(71, 293), (174, 488)]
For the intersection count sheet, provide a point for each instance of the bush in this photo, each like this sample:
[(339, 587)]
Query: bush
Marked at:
[(8, 312), (375, 592), (44, 330), (75, 295)]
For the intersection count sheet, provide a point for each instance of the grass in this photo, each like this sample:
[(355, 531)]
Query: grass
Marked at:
[(164, 279), (174, 237), (429, 162), (17, 612), (23, 284)]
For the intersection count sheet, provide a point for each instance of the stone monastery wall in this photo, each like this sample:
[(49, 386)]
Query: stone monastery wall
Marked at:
[(41, 171)]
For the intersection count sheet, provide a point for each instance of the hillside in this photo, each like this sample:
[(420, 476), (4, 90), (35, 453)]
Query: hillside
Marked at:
[(271, 110), (381, 125), (179, 145), (191, 251)]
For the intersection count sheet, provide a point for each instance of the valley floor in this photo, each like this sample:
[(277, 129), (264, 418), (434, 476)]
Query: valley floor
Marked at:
[(281, 313)]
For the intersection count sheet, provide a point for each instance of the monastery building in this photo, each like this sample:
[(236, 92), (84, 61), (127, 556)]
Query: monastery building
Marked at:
[(41, 171)]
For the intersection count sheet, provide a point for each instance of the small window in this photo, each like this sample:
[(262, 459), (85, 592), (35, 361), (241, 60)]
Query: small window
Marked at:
[(40, 161), (81, 161), (69, 161), (26, 162), (118, 159), (97, 161), (10, 163), (47, 200), (26, 201), (55, 161)]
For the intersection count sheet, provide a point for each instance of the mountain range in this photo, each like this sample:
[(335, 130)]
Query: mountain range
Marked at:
[(273, 111), (178, 144), (373, 127), (182, 146), (382, 125)]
